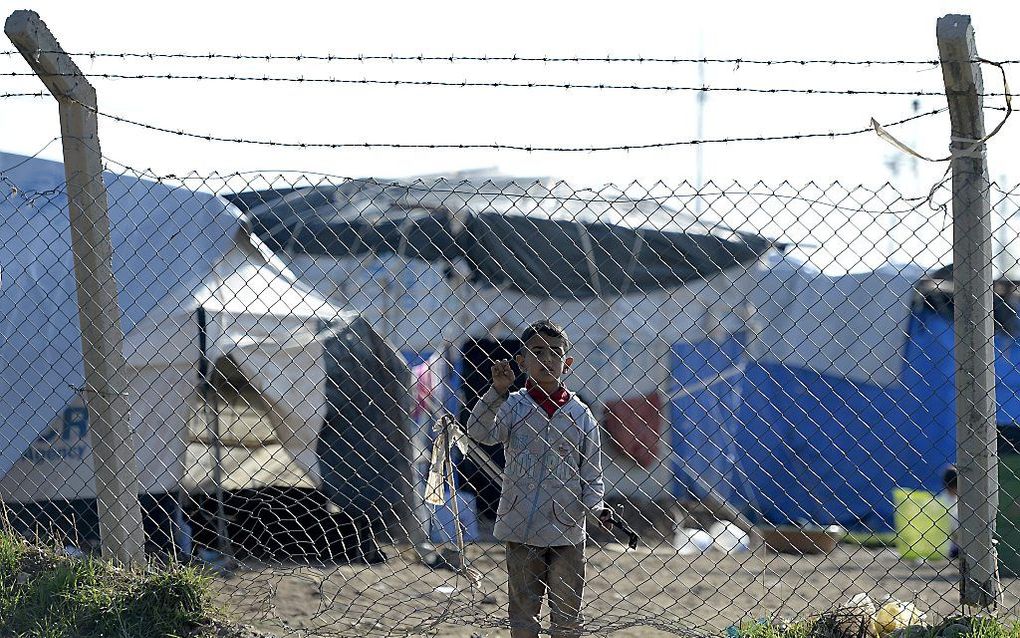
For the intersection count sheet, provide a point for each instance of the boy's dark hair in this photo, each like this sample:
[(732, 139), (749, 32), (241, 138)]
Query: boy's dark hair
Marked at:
[(548, 329), (949, 477)]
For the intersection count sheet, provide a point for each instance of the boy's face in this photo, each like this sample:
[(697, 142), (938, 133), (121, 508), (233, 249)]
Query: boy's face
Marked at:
[(545, 360)]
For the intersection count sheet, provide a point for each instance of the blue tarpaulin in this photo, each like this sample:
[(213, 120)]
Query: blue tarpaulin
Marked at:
[(707, 399), (790, 445)]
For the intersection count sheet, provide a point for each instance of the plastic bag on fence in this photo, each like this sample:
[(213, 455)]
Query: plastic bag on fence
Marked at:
[(443, 528), (435, 485)]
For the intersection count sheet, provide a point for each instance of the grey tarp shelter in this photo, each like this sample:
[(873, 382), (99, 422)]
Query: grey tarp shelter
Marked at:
[(503, 244), (461, 260)]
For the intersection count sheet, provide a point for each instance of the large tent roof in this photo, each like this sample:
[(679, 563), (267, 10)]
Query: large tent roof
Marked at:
[(511, 234), (165, 241)]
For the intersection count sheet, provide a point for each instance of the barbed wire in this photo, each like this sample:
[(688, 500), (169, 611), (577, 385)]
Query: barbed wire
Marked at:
[(35, 94), (30, 196), (500, 84), (499, 146), (597, 192), (269, 57)]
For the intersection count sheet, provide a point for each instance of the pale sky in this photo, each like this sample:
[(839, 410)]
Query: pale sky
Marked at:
[(354, 113)]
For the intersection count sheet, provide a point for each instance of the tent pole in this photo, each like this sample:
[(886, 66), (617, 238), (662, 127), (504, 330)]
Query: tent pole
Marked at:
[(221, 511), (213, 428)]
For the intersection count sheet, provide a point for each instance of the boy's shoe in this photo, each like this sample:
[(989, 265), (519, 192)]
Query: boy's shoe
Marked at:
[(447, 560)]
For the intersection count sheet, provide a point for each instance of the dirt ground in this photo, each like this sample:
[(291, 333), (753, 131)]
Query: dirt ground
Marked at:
[(646, 592)]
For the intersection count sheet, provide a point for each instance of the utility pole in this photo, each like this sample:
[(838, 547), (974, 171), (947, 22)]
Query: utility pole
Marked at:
[(699, 149), (976, 454), (113, 450)]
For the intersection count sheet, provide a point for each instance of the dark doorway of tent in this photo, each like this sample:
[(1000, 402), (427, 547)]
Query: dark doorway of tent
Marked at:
[(247, 497), (475, 368), (246, 494)]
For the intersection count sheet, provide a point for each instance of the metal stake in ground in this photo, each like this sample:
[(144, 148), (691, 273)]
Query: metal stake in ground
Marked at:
[(975, 352), (113, 449)]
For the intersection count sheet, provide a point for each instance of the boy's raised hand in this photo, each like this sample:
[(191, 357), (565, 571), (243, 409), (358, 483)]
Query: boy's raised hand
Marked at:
[(502, 376)]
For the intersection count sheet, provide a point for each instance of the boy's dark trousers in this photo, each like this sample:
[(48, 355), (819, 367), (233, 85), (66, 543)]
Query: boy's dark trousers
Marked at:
[(535, 570)]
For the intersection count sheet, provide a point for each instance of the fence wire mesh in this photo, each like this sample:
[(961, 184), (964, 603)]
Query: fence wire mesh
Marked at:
[(760, 386)]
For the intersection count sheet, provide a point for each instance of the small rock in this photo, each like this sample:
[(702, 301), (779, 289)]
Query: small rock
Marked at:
[(22, 578)]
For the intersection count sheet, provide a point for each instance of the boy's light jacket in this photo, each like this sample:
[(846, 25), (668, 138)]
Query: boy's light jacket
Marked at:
[(553, 477)]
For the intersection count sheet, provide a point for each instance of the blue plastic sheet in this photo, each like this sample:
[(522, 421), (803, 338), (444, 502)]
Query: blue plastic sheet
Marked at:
[(707, 399), (443, 523), (789, 445)]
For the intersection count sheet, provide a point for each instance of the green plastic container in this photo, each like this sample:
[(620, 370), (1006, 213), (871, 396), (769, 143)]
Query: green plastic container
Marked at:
[(923, 525)]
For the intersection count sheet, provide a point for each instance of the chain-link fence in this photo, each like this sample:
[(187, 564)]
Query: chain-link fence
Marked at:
[(761, 391), (428, 405)]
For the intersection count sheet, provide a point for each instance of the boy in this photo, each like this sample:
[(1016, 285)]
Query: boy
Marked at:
[(552, 482)]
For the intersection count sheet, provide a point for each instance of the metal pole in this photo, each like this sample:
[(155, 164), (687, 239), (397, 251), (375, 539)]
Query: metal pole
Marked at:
[(975, 352), (211, 414), (699, 149), (113, 450)]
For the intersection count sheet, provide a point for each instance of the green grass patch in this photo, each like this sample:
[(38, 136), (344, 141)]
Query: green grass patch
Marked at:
[(835, 625), (773, 629), (49, 595), (977, 627)]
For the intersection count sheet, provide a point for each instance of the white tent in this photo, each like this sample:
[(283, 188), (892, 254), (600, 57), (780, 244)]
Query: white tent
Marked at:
[(226, 353), (255, 318), (163, 239)]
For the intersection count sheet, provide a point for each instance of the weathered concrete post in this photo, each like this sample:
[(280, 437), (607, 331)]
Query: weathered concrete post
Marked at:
[(113, 449)]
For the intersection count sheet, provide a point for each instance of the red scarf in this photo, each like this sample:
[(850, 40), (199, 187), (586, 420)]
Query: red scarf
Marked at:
[(548, 402)]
